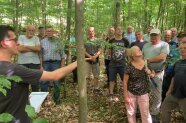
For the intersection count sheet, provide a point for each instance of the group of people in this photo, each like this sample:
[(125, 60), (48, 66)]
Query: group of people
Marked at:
[(151, 70), (148, 72), (16, 99)]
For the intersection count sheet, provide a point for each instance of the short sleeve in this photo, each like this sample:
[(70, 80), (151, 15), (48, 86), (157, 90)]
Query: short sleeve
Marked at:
[(37, 40), (127, 69), (28, 75), (20, 39), (165, 48), (173, 72)]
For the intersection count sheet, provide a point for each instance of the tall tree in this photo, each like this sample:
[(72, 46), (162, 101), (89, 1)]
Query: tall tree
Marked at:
[(117, 13), (129, 11), (43, 11), (79, 19), (145, 22), (185, 18)]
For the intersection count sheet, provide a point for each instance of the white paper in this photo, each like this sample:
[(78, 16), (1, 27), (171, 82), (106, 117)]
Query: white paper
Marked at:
[(36, 99)]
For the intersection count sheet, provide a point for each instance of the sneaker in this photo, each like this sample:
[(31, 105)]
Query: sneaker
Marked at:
[(113, 98)]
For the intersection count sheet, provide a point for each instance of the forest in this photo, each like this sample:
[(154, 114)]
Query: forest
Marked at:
[(72, 18)]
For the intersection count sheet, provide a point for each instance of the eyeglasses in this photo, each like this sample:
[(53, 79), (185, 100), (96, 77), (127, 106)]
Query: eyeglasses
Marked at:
[(11, 39)]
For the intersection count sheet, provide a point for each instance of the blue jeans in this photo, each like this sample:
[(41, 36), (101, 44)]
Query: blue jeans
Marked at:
[(51, 66)]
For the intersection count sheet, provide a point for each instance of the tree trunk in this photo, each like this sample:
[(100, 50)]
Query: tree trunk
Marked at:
[(145, 22), (117, 13), (16, 16), (69, 11), (81, 62), (129, 11), (185, 18), (43, 11), (159, 13)]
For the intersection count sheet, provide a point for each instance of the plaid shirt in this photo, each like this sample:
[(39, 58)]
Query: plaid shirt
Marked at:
[(52, 49)]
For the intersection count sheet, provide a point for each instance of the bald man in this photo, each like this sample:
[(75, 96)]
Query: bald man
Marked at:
[(29, 49)]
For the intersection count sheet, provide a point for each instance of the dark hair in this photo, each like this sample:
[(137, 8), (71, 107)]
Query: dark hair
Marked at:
[(4, 31), (181, 35), (41, 27)]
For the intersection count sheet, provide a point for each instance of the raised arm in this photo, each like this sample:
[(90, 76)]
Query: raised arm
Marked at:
[(59, 73)]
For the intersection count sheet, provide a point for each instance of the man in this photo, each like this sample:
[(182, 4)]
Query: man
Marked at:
[(139, 40), (52, 58), (156, 52), (93, 50), (130, 35), (176, 95), (146, 37), (41, 33), (29, 49), (117, 62), (174, 34), (107, 57), (173, 56), (18, 96)]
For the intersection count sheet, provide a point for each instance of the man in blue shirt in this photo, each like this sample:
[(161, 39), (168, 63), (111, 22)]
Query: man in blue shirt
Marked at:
[(52, 58)]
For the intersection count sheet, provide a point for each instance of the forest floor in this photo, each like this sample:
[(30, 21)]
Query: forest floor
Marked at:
[(100, 109)]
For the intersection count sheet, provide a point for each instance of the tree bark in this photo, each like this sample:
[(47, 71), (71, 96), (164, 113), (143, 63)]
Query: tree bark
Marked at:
[(185, 18), (81, 62), (129, 12), (117, 13), (159, 12), (43, 12), (145, 22), (68, 29)]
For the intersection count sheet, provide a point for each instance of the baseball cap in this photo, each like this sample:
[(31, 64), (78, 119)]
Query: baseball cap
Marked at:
[(155, 31)]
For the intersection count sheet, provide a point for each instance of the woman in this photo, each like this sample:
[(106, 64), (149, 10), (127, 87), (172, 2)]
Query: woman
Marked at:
[(136, 86)]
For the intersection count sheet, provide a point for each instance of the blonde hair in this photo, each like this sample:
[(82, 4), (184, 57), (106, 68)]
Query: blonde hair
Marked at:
[(129, 53)]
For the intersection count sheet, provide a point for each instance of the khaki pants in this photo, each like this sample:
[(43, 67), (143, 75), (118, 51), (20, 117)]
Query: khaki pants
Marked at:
[(171, 103)]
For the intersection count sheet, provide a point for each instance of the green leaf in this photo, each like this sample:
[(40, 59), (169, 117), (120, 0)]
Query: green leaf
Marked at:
[(3, 91), (30, 111), (15, 78), (40, 120), (5, 117)]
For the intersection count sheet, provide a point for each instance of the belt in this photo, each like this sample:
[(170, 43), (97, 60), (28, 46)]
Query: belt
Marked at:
[(51, 61), (158, 71)]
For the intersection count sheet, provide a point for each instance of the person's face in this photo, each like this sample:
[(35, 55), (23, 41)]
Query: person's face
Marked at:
[(182, 47), (174, 32), (155, 38), (50, 32), (41, 32), (136, 52), (10, 43), (138, 36), (168, 37), (129, 29), (111, 31), (30, 31), (91, 33), (118, 31)]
